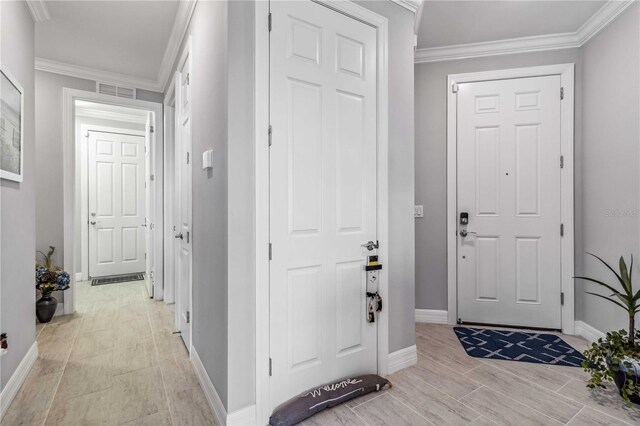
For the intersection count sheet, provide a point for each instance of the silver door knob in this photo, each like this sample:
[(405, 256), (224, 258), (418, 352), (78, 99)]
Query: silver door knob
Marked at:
[(371, 245), (464, 233), (93, 222), (179, 236)]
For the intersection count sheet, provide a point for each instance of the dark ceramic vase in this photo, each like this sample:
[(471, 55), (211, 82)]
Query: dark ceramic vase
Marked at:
[(46, 307)]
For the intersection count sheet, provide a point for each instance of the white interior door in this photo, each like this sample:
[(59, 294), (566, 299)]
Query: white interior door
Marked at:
[(509, 263), (183, 227), (116, 204), (323, 196), (149, 201)]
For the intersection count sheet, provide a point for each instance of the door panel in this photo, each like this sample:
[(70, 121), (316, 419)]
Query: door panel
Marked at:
[(323, 196), (509, 183), (184, 208), (116, 204)]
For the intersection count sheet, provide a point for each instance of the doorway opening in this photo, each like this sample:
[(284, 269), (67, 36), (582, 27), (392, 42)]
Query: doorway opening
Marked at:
[(112, 189)]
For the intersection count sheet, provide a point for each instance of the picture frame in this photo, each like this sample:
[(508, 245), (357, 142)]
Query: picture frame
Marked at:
[(11, 128)]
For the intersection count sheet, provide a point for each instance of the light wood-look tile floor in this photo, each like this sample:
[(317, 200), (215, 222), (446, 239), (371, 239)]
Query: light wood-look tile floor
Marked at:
[(116, 361), (448, 387)]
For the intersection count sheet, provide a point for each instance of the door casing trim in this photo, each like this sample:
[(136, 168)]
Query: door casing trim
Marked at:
[(262, 220), (69, 96), (566, 73)]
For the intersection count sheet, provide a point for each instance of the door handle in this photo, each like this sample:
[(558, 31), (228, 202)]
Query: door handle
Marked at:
[(93, 222), (464, 233), (371, 245), (179, 236)]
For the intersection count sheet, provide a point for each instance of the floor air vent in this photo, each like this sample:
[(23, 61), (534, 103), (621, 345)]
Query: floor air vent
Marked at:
[(117, 279)]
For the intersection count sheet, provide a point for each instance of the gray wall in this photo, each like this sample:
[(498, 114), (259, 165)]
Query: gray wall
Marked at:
[(431, 160), (611, 178), (208, 29), (241, 218), (49, 166), (17, 214), (401, 267)]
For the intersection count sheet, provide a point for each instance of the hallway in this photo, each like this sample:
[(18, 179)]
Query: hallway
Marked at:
[(115, 361)]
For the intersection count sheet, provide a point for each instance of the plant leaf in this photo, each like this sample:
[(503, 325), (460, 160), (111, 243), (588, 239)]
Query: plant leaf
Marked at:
[(626, 279), (610, 300), (613, 290), (612, 270)]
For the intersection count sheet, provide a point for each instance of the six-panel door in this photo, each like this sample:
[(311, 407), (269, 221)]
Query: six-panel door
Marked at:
[(116, 204), (509, 264), (323, 196)]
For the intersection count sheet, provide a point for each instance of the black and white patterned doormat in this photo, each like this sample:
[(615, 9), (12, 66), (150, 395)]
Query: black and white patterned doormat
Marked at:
[(540, 348), (117, 279)]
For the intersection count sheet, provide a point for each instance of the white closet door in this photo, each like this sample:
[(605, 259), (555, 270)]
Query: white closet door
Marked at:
[(323, 196)]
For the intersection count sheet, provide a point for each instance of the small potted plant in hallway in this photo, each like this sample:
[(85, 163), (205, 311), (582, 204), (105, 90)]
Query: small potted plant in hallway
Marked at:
[(616, 357), (49, 278)]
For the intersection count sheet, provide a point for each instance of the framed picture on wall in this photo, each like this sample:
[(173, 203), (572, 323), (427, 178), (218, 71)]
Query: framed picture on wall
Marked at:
[(11, 128)]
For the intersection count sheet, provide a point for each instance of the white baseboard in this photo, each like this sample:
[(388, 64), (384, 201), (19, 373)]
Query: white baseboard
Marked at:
[(59, 309), (432, 316), (78, 276), (402, 359), (590, 333), (17, 379), (243, 417), (209, 390)]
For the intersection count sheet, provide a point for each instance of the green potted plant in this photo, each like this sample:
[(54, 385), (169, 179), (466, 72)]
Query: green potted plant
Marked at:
[(49, 278), (616, 357)]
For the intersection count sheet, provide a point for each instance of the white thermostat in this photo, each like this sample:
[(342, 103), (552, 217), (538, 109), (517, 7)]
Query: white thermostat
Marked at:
[(207, 159)]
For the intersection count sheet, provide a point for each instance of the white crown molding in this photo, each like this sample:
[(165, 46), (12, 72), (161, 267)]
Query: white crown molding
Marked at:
[(39, 10), (109, 115), (56, 67), (607, 13), (410, 5), (178, 31), (180, 25)]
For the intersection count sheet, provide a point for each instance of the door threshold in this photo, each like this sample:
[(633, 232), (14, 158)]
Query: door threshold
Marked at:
[(517, 327)]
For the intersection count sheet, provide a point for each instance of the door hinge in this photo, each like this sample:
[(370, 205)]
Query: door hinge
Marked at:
[(187, 158), (270, 133), (562, 229), (270, 367), (454, 87), (152, 129), (187, 237), (562, 298), (269, 21), (188, 317), (188, 79), (562, 161), (561, 93), (270, 251)]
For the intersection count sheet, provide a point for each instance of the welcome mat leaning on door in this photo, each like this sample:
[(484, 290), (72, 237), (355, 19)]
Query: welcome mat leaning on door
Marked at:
[(117, 279), (539, 348)]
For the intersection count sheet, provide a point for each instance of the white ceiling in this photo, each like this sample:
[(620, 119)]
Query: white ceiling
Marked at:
[(447, 23), (126, 37)]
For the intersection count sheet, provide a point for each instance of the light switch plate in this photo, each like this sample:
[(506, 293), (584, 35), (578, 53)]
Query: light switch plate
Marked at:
[(207, 159), (418, 211)]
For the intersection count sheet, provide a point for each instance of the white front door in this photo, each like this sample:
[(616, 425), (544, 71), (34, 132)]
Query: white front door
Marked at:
[(183, 227), (116, 204), (323, 196), (509, 262)]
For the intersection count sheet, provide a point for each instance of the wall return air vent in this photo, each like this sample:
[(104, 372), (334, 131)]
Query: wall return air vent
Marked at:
[(110, 89)]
